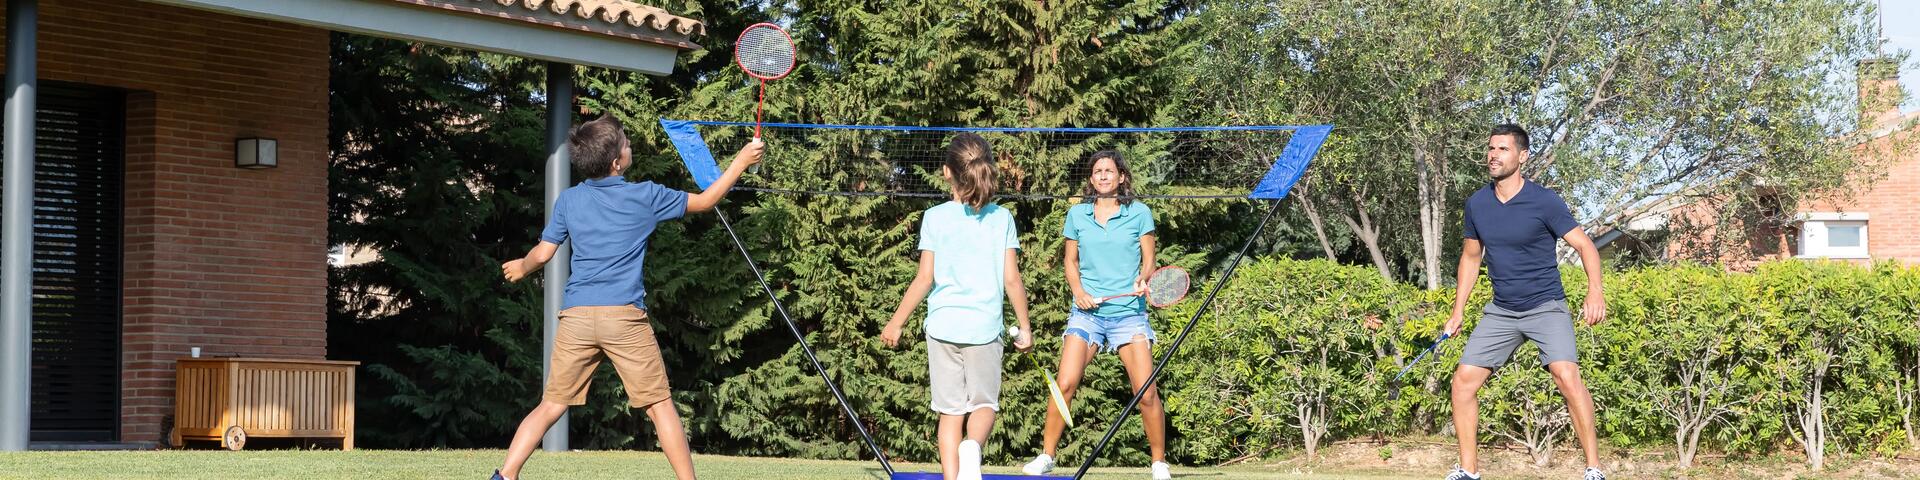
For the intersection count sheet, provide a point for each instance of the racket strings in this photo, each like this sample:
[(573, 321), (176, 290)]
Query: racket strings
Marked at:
[(765, 52), (1167, 286)]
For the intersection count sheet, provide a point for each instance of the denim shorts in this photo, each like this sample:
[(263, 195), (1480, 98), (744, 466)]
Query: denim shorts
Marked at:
[(1108, 333)]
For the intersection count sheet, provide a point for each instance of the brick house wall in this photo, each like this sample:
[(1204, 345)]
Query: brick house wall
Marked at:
[(218, 257), (1884, 187), (1892, 202)]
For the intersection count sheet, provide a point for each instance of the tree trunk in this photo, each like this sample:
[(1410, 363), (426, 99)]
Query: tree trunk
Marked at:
[(1817, 453), (1905, 391), (1431, 198), (1424, 417), (1541, 445), (1812, 418), (1305, 412), (1319, 226), (1368, 233), (1691, 445)]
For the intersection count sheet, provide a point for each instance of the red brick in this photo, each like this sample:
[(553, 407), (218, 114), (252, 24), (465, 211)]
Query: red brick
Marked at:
[(218, 257)]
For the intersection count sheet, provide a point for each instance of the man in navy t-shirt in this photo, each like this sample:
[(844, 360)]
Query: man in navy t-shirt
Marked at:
[(1512, 224)]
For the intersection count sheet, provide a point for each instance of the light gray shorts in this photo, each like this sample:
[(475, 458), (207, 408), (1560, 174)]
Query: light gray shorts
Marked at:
[(1501, 331), (964, 377)]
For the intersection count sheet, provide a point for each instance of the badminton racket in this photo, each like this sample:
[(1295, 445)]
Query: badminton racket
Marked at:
[(1165, 287)]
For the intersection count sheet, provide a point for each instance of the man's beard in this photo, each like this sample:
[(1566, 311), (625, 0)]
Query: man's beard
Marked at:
[(1498, 175)]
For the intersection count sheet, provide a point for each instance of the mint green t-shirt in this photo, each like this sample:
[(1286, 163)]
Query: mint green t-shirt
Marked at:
[(969, 270), (1110, 254)]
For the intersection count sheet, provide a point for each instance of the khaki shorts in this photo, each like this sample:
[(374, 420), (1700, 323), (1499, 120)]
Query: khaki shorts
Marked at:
[(623, 335), (964, 378)]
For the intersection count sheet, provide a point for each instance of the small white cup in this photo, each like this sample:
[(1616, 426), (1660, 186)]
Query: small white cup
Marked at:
[(196, 352)]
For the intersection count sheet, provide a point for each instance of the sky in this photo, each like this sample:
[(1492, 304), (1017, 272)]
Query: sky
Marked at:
[(1902, 22)]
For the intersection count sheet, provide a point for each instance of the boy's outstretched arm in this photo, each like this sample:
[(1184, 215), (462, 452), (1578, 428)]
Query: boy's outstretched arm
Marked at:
[(706, 199), (519, 268), (916, 292)]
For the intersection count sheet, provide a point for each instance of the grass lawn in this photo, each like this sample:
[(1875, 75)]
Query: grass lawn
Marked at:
[(478, 464), (1423, 459)]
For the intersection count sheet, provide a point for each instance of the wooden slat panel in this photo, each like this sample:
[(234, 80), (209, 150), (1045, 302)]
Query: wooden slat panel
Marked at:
[(278, 398)]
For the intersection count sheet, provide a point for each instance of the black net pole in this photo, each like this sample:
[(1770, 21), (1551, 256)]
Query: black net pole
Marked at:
[(845, 407)]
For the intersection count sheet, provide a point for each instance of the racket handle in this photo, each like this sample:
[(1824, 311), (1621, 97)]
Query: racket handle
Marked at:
[(1422, 355), (755, 169), (758, 116)]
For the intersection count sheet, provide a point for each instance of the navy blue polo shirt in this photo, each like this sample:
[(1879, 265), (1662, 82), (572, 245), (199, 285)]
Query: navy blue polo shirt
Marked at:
[(1519, 237), (609, 221)]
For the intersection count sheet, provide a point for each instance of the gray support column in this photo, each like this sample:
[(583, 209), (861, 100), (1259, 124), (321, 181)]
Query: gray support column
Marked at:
[(16, 228), (559, 177)]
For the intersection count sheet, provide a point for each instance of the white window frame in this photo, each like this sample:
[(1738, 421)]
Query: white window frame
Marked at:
[(1813, 235)]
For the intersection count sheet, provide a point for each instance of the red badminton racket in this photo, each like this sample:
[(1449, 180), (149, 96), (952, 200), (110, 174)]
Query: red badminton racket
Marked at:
[(765, 52)]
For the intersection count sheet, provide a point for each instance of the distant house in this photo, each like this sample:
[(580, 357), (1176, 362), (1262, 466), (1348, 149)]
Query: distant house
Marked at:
[(177, 154), (1878, 220), (1877, 217)]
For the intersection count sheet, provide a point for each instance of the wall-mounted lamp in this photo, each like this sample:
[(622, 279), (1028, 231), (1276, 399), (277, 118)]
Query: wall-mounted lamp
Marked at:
[(256, 153)]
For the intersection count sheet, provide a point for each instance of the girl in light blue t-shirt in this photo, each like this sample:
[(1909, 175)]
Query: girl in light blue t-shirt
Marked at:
[(969, 261)]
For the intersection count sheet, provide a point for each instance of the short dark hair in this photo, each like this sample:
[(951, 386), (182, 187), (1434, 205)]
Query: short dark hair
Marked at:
[(1519, 134), (970, 160), (595, 145)]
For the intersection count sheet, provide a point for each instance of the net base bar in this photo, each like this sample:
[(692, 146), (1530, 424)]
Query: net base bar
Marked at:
[(983, 476)]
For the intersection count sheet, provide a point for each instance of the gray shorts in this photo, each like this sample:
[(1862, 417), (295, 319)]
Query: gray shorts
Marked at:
[(1500, 331), (964, 377)]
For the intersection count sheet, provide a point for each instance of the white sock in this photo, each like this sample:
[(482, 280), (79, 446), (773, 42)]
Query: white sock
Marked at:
[(969, 460)]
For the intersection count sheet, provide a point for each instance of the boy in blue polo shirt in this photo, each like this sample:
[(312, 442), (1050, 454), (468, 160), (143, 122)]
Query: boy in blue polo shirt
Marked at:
[(1512, 223), (604, 311)]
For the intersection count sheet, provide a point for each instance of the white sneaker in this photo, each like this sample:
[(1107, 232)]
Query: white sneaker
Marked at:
[(1593, 474), (969, 460), (1160, 471), (1039, 466)]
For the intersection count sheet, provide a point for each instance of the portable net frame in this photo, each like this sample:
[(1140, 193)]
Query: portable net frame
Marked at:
[(1259, 163)]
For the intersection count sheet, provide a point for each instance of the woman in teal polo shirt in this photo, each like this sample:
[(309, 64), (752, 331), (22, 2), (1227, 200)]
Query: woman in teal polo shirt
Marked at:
[(1109, 252)]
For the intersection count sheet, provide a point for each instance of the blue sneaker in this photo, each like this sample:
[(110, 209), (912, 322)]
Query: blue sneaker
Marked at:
[(496, 476)]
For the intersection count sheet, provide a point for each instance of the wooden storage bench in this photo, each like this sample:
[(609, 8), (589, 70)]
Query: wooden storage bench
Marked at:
[(232, 399)]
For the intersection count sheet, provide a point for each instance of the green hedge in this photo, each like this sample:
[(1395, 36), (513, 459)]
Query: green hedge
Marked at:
[(1740, 363)]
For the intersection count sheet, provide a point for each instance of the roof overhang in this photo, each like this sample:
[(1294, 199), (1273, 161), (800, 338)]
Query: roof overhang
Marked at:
[(627, 37)]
